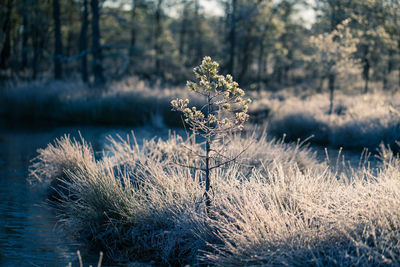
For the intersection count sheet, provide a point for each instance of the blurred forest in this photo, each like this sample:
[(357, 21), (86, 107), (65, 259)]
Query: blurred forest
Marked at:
[(263, 43)]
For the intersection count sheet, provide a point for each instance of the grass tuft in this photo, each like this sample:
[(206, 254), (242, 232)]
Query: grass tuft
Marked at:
[(277, 205)]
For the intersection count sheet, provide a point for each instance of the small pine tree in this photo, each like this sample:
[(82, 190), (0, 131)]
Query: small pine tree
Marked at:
[(224, 113)]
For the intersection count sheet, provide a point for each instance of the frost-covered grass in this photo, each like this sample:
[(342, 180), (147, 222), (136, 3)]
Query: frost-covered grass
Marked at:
[(277, 205), (357, 121), (129, 102)]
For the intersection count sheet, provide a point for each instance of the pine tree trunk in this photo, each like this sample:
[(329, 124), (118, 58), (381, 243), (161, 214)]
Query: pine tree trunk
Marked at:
[(207, 172), (366, 68), (182, 33), (388, 71), (199, 41), (331, 92), (398, 49), (35, 60), (83, 42), (133, 30), (6, 51), (158, 33), (366, 76), (58, 54), (260, 64), (96, 47), (25, 37), (232, 39)]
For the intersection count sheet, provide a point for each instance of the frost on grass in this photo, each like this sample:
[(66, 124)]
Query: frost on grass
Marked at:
[(276, 206), (129, 101), (356, 121)]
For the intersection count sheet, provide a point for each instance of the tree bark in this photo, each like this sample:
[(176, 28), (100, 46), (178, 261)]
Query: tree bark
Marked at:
[(232, 39), (207, 172), (366, 69), (388, 70), (182, 33), (25, 37), (83, 42), (133, 29), (260, 62), (199, 41), (6, 51), (398, 49), (331, 92), (96, 47), (246, 53), (58, 54), (158, 33), (35, 60)]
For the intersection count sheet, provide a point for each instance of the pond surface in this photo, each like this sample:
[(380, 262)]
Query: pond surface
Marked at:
[(29, 235)]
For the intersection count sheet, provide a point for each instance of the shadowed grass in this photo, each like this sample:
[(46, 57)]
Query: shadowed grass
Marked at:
[(129, 102), (357, 121)]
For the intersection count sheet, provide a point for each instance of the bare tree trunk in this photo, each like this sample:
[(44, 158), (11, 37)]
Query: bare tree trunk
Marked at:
[(58, 54), (398, 49), (246, 53), (388, 71), (207, 170), (366, 75), (97, 56), (25, 37), (321, 84), (366, 68), (83, 42), (6, 51), (133, 29), (158, 33), (199, 41), (331, 92), (260, 63), (182, 33), (35, 60), (232, 39)]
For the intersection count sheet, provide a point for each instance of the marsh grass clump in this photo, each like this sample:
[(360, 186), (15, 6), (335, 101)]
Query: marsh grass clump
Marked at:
[(127, 102), (356, 121), (285, 207), (274, 205), (133, 199), (65, 155)]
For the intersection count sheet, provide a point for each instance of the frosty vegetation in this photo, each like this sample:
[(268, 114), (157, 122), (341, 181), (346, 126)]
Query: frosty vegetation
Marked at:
[(223, 114), (356, 122), (284, 208), (276, 204)]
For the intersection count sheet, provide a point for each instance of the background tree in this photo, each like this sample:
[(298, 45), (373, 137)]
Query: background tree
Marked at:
[(262, 42), (96, 47), (333, 56), (58, 48), (6, 29), (83, 45)]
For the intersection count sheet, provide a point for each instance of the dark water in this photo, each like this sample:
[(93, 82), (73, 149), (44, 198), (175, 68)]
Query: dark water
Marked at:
[(29, 235)]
